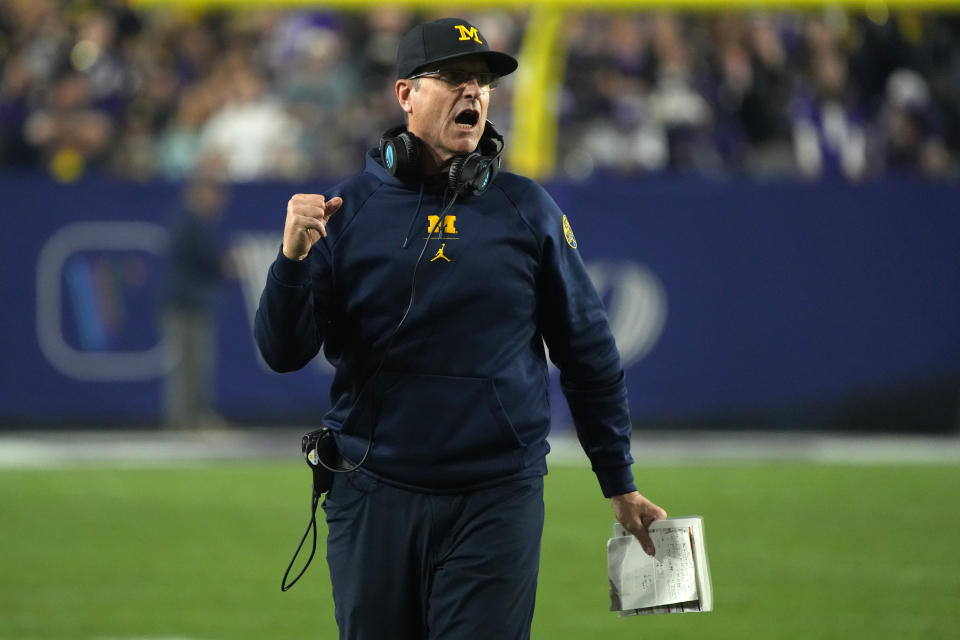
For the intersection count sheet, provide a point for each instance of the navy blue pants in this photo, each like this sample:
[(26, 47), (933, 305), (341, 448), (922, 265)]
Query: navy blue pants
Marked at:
[(416, 566)]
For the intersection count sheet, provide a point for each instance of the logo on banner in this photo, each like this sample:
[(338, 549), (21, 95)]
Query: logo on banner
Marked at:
[(636, 304), (94, 293)]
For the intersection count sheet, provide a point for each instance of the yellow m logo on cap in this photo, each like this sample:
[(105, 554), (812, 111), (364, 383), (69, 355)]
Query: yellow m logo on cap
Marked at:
[(467, 34)]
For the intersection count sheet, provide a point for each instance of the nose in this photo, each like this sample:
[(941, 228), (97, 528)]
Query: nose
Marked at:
[(472, 87)]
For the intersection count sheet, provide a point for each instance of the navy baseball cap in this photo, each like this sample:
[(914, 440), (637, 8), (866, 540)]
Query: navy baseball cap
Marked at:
[(444, 39)]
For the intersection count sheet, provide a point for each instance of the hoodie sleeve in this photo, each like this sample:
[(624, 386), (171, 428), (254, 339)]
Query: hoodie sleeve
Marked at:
[(292, 315), (577, 332)]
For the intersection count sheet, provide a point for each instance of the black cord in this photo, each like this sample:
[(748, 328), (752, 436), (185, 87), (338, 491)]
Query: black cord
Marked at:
[(312, 524), (396, 330)]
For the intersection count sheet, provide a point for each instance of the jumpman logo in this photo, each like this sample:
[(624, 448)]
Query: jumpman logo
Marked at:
[(440, 253)]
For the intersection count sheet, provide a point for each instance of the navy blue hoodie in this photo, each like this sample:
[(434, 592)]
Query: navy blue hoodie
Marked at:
[(456, 398)]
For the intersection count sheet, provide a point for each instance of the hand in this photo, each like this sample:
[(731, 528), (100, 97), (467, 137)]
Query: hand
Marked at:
[(307, 215), (636, 514)]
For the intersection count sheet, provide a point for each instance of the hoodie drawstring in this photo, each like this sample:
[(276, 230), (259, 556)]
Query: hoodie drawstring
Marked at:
[(413, 220)]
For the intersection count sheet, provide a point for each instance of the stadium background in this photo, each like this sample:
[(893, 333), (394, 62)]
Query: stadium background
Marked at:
[(766, 199)]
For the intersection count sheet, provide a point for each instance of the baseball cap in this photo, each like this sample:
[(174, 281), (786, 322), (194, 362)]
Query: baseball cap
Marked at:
[(444, 39)]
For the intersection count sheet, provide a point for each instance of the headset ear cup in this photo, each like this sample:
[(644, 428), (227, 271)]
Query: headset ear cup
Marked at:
[(389, 150), (409, 169), (472, 174), (477, 170), (455, 176), (400, 153), (388, 153)]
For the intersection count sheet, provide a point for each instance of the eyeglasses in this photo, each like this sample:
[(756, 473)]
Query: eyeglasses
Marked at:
[(457, 78)]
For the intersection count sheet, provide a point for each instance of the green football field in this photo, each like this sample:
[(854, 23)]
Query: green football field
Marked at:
[(797, 551)]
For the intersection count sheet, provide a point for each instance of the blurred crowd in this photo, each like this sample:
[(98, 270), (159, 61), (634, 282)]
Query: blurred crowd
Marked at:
[(816, 94), (299, 94)]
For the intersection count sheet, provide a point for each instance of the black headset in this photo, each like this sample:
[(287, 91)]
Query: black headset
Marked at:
[(469, 174)]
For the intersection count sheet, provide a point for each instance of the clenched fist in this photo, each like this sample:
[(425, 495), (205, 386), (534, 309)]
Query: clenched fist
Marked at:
[(307, 215)]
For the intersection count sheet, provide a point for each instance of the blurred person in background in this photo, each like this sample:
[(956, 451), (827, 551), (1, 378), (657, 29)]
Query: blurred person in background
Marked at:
[(751, 91), (135, 153), (432, 282), (197, 265), (253, 131), (16, 84), (677, 100), (95, 54), (910, 131), (765, 110), (829, 128), (178, 147), (607, 109), (318, 82), (70, 133)]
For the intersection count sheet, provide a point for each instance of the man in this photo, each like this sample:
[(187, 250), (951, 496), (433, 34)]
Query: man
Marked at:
[(197, 266), (432, 281)]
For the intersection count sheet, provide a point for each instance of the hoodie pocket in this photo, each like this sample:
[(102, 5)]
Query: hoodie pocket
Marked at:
[(446, 426)]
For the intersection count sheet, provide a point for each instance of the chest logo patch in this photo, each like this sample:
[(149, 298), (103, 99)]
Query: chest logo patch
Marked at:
[(448, 226), (439, 255), (568, 233)]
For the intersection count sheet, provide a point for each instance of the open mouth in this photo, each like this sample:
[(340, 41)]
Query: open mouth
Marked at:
[(467, 119)]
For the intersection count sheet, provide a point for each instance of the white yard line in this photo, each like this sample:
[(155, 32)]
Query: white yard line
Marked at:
[(664, 447), (45, 449)]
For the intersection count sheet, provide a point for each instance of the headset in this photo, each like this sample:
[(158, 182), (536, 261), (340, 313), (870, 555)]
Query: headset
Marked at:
[(469, 174)]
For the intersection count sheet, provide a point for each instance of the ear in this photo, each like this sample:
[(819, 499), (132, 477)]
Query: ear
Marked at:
[(404, 88)]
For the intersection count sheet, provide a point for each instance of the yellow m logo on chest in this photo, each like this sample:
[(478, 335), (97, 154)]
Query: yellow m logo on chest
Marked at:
[(467, 34), (449, 224)]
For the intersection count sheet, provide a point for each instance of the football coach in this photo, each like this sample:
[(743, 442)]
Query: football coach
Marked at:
[(432, 281)]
